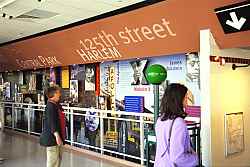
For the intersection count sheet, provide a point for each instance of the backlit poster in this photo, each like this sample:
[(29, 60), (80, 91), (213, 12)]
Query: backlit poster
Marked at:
[(20, 78), (74, 91), (97, 80), (52, 76), (193, 76), (131, 79), (65, 77), (77, 72), (7, 90), (90, 77), (112, 87), (138, 67), (1, 79), (1, 86), (104, 77)]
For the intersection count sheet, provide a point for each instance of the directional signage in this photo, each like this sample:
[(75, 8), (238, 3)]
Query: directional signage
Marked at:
[(234, 18)]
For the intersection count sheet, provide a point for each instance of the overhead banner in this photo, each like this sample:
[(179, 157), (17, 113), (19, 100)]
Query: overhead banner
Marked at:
[(170, 27)]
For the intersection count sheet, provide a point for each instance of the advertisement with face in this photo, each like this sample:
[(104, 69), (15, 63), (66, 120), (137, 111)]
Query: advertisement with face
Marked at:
[(176, 73), (138, 67), (193, 76), (193, 68), (90, 78), (131, 78), (77, 72), (74, 91)]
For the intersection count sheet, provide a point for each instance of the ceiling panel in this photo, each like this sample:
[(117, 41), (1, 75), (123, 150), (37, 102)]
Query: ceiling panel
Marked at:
[(86, 5), (62, 8), (120, 3), (20, 6), (69, 11)]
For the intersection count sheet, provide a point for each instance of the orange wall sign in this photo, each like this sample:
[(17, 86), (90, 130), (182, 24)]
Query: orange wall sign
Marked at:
[(105, 46), (39, 61), (164, 28)]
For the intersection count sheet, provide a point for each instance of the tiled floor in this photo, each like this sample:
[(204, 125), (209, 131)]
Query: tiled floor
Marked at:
[(21, 152)]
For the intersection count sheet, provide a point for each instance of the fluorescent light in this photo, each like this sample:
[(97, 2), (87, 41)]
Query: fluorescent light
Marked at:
[(6, 3)]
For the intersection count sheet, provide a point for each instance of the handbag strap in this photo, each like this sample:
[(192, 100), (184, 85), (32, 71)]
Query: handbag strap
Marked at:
[(169, 137), (170, 133)]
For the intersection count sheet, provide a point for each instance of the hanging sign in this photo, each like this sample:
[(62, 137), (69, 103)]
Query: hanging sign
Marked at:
[(234, 18), (156, 74)]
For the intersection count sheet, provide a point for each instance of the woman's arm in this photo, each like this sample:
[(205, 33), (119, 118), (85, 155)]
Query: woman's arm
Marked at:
[(179, 153)]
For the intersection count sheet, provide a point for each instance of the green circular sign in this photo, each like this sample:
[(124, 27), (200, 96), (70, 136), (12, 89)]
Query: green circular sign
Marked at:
[(156, 74)]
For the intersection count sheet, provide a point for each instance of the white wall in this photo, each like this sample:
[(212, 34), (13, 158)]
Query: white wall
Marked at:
[(205, 52), (230, 92), (222, 91)]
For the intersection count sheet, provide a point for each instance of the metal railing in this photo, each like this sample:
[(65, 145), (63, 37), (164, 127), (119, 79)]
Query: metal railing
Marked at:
[(194, 131), (27, 118), (20, 117)]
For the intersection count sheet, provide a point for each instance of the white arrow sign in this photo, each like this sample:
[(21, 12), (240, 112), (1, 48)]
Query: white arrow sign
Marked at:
[(236, 23)]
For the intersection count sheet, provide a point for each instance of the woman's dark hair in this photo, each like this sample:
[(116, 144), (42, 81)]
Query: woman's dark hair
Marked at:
[(172, 102)]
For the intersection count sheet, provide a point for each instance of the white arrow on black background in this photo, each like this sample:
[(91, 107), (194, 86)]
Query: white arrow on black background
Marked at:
[(234, 18), (235, 23)]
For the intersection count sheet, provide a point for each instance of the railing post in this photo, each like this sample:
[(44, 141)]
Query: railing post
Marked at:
[(1, 116), (15, 121), (43, 115), (147, 152), (101, 132), (142, 139), (12, 115), (28, 108), (199, 145), (71, 127)]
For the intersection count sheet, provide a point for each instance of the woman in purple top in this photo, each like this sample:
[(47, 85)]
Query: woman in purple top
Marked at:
[(173, 140)]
